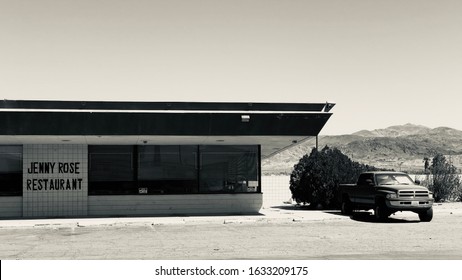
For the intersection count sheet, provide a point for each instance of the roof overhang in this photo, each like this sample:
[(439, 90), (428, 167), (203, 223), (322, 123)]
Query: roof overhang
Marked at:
[(274, 126)]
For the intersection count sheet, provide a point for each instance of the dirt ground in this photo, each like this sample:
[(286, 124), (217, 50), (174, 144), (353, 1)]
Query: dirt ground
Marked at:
[(283, 233)]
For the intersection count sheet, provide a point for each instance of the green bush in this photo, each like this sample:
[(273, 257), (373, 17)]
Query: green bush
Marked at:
[(316, 177)]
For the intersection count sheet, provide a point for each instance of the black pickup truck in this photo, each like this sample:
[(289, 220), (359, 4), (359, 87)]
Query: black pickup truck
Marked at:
[(386, 193)]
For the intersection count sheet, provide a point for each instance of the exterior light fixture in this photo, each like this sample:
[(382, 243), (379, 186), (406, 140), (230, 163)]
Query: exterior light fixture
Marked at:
[(245, 118)]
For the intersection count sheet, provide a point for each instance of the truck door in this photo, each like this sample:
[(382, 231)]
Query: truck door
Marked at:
[(365, 189)]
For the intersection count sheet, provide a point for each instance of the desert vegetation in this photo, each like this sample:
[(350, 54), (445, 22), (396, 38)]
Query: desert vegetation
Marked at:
[(443, 179), (316, 177)]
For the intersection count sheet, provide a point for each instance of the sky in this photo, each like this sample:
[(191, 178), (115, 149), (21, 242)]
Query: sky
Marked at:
[(382, 62)]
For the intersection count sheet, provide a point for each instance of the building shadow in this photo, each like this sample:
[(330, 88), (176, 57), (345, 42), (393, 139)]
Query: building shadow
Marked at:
[(56, 219), (293, 207)]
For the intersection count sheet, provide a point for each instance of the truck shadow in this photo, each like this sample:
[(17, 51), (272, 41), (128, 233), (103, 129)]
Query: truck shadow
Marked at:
[(359, 216), (368, 217)]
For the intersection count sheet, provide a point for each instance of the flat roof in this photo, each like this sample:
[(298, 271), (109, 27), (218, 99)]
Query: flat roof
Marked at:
[(39, 105)]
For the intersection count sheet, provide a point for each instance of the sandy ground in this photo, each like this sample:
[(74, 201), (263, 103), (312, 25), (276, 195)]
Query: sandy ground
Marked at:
[(285, 232)]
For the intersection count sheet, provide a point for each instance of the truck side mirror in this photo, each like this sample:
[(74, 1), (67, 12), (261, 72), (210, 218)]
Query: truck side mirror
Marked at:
[(417, 182)]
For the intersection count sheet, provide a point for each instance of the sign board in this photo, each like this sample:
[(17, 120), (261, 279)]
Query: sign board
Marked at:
[(55, 180)]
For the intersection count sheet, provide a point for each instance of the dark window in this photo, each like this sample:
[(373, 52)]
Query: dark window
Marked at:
[(228, 169), (111, 170), (168, 169), (362, 181), (11, 170)]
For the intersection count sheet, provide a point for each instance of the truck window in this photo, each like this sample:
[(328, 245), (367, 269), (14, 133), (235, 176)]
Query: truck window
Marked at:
[(393, 179), (385, 179), (363, 178)]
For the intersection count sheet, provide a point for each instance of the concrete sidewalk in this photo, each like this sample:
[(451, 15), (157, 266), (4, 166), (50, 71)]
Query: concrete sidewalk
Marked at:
[(276, 214), (282, 214)]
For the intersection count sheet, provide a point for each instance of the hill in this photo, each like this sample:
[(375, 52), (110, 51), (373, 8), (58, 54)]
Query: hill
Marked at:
[(395, 131), (401, 147)]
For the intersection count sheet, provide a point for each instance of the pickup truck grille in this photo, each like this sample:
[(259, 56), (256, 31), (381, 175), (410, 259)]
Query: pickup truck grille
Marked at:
[(412, 194)]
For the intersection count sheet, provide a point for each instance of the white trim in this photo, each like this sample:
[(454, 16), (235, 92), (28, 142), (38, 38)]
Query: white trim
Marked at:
[(158, 111)]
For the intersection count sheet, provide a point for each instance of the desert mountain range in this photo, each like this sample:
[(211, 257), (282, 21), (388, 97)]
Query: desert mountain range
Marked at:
[(401, 147)]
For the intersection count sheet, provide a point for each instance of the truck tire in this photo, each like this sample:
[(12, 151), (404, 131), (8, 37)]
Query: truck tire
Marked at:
[(426, 216), (381, 212), (347, 207)]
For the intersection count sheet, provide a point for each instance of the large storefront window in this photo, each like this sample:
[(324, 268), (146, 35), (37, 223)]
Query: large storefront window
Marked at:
[(168, 169), (172, 169), (10, 170), (228, 169), (111, 170)]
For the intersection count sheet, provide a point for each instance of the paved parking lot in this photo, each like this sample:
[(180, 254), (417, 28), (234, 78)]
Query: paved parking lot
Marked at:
[(285, 232)]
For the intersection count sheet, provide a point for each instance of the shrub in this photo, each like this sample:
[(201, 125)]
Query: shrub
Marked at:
[(445, 183), (459, 193), (316, 177)]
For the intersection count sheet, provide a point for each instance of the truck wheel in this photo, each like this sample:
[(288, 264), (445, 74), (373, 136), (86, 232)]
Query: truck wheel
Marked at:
[(426, 216), (347, 208), (381, 212)]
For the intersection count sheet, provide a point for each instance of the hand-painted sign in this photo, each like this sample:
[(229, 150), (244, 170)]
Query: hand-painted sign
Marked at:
[(49, 167)]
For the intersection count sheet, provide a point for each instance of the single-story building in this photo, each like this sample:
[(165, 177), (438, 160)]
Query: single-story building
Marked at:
[(71, 158)]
